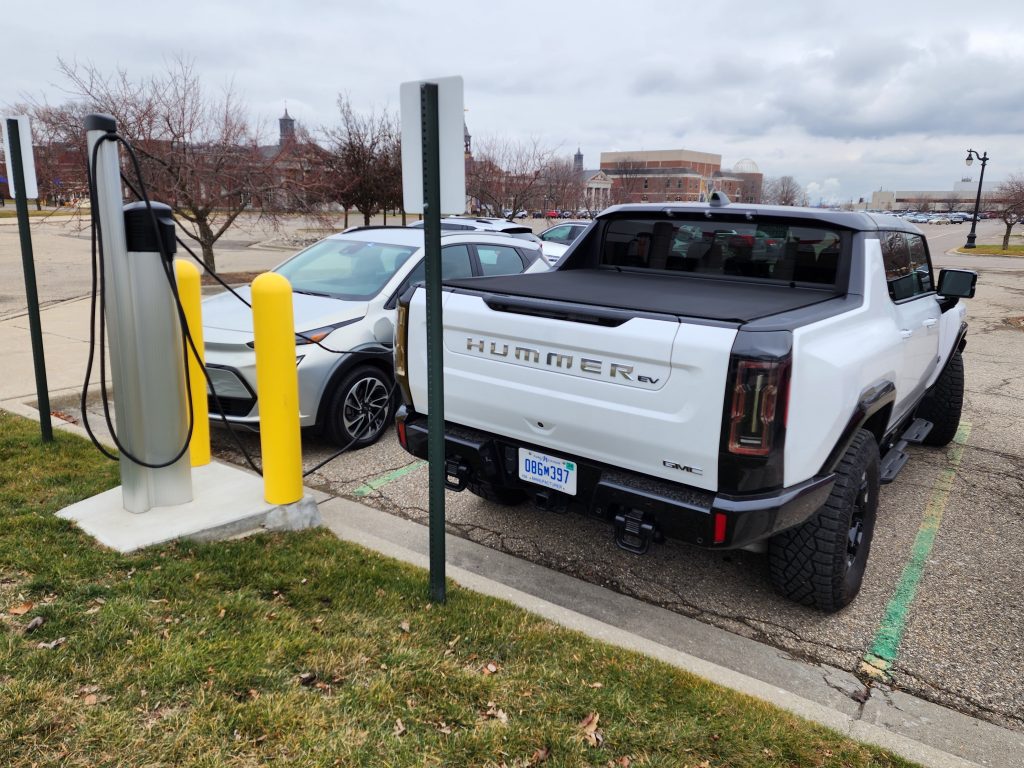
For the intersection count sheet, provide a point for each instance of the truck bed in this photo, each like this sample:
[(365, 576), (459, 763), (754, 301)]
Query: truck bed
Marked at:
[(739, 301)]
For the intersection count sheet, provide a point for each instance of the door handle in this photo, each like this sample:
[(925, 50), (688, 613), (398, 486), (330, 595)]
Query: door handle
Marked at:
[(906, 333), (930, 322)]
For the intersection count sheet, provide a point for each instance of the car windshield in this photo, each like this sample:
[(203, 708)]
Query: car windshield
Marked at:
[(778, 251), (345, 269)]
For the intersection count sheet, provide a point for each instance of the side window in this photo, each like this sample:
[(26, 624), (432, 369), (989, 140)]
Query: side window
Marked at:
[(896, 258), (559, 235), (919, 263), (499, 260), (454, 264)]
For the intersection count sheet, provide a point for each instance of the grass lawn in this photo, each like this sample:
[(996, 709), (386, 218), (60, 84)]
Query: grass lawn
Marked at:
[(300, 649), (992, 249), (9, 212)]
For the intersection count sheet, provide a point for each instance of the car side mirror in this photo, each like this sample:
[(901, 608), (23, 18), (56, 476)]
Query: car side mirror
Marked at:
[(957, 283)]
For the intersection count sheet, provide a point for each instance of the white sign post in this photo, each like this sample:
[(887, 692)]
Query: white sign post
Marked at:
[(27, 159), (434, 180), (450, 127)]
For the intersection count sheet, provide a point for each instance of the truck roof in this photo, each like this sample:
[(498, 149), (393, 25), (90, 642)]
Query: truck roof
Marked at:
[(854, 220)]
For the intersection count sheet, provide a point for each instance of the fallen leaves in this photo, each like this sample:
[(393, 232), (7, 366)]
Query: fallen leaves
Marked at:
[(490, 668), (91, 696), (404, 626), (52, 644), (97, 603), (541, 755), (63, 416), (35, 624), (591, 733), (20, 610), (399, 729), (494, 713)]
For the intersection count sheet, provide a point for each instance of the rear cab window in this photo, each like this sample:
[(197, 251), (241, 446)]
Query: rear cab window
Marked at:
[(773, 251)]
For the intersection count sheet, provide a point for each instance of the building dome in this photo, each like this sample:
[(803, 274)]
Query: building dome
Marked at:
[(746, 165)]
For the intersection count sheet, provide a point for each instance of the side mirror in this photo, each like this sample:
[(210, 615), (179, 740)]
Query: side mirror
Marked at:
[(957, 283)]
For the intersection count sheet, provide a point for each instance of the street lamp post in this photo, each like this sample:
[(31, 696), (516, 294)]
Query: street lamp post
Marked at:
[(971, 154)]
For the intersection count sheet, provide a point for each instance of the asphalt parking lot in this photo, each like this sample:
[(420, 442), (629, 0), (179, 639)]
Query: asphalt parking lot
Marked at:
[(940, 613)]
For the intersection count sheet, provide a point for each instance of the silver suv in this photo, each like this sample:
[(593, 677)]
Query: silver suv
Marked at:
[(345, 290)]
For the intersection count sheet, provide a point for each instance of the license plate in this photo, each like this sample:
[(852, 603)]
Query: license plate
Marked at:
[(549, 471)]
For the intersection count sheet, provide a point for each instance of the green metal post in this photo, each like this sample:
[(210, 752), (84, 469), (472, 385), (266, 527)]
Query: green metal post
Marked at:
[(34, 323), (435, 343)]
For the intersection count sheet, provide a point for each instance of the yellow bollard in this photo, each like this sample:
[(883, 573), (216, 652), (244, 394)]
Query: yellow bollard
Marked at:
[(277, 386), (191, 301)]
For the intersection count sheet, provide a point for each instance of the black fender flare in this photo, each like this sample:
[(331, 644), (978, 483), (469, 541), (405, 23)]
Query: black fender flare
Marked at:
[(873, 401), (958, 345)]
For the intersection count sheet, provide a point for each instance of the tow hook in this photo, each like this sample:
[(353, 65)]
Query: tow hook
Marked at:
[(550, 501), (633, 533), (455, 474)]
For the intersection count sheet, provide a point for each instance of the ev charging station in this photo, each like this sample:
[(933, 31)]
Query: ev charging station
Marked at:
[(144, 296), (146, 355)]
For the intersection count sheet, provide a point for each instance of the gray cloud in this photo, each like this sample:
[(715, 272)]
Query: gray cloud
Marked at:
[(846, 98)]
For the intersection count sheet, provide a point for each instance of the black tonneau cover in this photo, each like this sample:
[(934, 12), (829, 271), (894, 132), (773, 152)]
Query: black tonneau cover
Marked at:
[(684, 295)]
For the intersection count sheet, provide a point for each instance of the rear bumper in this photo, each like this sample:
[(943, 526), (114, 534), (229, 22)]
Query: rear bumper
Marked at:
[(678, 511)]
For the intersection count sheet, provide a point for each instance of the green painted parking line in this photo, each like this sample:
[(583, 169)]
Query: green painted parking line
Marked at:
[(885, 648), (379, 482)]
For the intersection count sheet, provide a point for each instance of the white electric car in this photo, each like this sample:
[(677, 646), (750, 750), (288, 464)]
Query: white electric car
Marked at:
[(345, 290)]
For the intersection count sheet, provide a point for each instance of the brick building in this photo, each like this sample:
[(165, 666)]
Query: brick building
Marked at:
[(678, 175)]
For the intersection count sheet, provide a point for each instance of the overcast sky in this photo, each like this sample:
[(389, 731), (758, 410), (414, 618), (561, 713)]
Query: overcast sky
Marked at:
[(846, 97)]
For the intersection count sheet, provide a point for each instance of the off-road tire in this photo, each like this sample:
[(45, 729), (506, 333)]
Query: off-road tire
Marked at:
[(943, 405), (506, 497), (360, 409), (821, 562)]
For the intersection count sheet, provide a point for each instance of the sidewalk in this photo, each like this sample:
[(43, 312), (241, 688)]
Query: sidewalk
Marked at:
[(914, 728)]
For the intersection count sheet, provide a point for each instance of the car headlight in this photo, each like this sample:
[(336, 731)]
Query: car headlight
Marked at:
[(316, 335)]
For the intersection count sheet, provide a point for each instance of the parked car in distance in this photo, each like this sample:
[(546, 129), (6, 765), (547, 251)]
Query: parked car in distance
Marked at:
[(345, 290), (553, 251), (565, 233), (483, 224)]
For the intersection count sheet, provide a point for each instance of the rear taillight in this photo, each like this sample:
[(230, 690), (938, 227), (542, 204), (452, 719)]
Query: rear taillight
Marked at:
[(759, 394)]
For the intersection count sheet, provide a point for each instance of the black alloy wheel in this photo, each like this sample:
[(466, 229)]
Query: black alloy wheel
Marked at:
[(361, 408)]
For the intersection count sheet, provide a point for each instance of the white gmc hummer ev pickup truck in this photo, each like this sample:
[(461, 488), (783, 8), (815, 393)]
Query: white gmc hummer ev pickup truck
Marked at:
[(729, 375)]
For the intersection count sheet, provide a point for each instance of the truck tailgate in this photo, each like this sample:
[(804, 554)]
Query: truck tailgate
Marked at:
[(645, 395)]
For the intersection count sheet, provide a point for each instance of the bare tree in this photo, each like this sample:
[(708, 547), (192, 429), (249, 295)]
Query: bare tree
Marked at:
[(1011, 206), (508, 175), (784, 190), (198, 152), (627, 179), (58, 147), (563, 185), (364, 160)]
